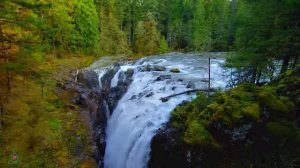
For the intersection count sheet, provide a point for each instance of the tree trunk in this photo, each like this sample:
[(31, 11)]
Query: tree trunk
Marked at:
[(8, 78), (254, 73), (285, 64), (165, 99)]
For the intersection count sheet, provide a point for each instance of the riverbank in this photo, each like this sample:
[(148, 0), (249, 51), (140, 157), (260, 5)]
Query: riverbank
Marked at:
[(39, 123), (247, 126)]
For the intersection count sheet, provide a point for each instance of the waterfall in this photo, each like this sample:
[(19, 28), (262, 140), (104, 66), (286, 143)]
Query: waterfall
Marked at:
[(140, 112)]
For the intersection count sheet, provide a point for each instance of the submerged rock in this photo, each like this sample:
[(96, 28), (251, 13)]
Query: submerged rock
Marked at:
[(163, 77)]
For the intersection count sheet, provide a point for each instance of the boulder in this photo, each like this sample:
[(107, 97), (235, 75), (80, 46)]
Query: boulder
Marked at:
[(88, 79)]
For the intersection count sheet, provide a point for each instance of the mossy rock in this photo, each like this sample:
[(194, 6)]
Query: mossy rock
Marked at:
[(272, 102), (288, 103), (175, 70), (252, 110), (196, 133), (281, 130)]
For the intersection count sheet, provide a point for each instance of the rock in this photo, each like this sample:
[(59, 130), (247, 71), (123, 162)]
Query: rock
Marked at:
[(204, 80), (158, 68), (167, 151), (115, 94), (88, 78), (109, 75), (153, 68), (163, 77), (129, 73), (190, 85), (175, 70), (150, 94)]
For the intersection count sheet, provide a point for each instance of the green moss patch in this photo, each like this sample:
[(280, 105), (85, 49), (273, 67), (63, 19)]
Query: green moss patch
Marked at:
[(252, 110)]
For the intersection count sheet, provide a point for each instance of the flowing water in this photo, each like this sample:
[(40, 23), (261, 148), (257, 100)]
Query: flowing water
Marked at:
[(140, 112)]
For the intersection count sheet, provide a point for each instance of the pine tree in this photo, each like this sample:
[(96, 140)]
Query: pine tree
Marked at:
[(113, 40), (163, 45), (147, 42), (86, 26)]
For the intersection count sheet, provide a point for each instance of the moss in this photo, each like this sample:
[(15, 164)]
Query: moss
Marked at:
[(59, 103), (252, 110), (175, 70), (272, 102), (288, 103), (196, 133), (54, 124), (281, 130)]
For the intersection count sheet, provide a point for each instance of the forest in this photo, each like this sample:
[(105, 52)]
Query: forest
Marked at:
[(42, 40)]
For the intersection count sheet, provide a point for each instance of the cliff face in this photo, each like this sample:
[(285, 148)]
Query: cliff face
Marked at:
[(97, 102)]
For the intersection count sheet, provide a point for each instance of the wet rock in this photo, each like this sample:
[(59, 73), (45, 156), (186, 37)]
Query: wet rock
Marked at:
[(190, 85), (129, 73), (115, 94), (150, 94), (133, 97), (109, 75), (163, 77), (148, 68), (175, 70), (158, 68)]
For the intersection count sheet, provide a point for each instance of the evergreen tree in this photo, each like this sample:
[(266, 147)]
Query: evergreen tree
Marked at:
[(163, 45), (60, 30), (20, 38), (86, 26), (147, 42), (112, 39)]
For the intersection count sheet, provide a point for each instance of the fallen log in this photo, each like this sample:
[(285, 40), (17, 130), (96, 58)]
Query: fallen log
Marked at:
[(165, 99)]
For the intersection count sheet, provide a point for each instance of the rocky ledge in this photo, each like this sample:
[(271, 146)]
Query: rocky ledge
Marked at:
[(97, 101), (248, 126)]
